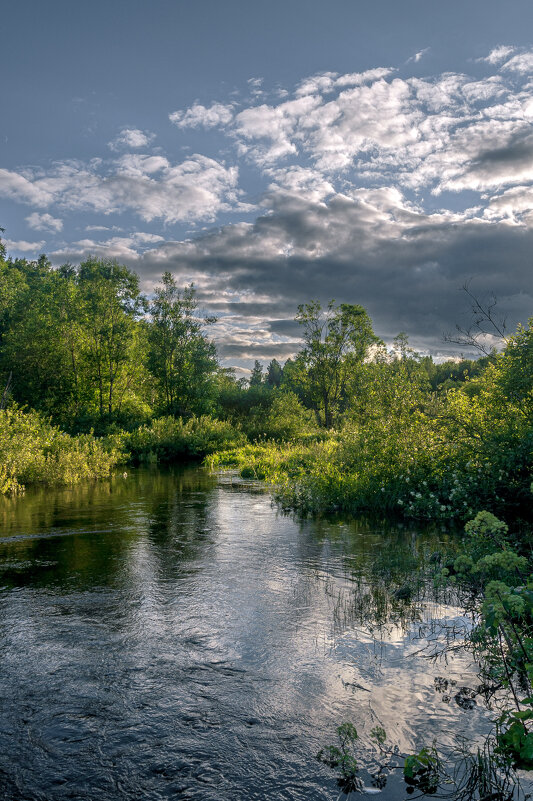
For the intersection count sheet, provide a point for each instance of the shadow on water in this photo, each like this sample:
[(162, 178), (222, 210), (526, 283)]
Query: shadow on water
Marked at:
[(172, 635)]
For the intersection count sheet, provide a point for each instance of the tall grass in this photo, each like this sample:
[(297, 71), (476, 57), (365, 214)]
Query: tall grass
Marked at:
[(32, 451)]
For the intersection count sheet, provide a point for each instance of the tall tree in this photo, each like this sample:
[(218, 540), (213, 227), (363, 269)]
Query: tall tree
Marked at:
[(181, 358), (256, 376), (336, 339), (110, 305), (274, 374)]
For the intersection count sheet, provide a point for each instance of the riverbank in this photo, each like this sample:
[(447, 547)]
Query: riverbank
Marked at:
[(33, 451)]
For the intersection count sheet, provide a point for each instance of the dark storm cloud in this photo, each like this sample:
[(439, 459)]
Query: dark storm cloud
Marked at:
[(518, 151), (366, 251), (287, 328), (258, 350), (514, 160)]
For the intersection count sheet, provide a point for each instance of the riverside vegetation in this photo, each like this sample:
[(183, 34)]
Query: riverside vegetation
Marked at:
[(96, 376)]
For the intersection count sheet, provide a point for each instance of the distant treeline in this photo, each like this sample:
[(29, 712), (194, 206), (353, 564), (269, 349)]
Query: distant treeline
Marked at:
[(86, 348)]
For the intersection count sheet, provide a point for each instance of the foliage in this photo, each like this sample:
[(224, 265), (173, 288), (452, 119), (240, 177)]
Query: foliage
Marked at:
[(79, 347), (422, 771), (181, 358), (341, 758), (335, 340), (515, 741), (402, 449), (274, 374), (33, 451), (372, 429), (168, 438), (280, 417), (268, 460), (497, 587), (110, 302)]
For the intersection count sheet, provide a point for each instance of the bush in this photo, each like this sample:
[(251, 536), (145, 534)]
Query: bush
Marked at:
[(169, 439), (286, 419), (32, 451)]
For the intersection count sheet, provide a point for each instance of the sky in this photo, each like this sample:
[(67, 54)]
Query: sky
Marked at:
[(277, 153)]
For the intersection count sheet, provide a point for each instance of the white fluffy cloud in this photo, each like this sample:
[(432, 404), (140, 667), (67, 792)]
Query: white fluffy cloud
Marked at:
[(44, 222), (24, 247), (199, 116), (522, 62), (419, 56), (131, 138), (151, 186), (17, 186), (498, 54), (123, 248)]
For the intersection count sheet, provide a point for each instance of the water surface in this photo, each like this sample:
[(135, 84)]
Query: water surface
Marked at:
[(173, 636)]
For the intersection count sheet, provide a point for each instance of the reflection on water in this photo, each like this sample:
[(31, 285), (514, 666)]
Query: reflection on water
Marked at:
[(171, 635)]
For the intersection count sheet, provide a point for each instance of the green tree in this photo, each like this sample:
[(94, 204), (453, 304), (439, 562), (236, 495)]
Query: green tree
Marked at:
[(256, 376), (336, 339), (274, 374), (110, 304), (181, 358)]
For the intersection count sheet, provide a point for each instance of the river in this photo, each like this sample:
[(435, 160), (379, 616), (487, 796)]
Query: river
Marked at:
[(172, 635)]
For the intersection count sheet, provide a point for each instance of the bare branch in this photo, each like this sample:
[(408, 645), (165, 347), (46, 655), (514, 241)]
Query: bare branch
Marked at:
[(486, 324)]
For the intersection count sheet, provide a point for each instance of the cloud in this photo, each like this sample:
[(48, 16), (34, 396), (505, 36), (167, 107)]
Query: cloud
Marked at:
[(322, 84), (123, 248), (509, 161), (198, 116), (102, 228), (44, 222), (522, 62), (298, 182), (151, 186), (131, 138), (375, 126), (375, 247), (17, 187), (418, 56), (24, 247), (347, 173), (498, 54), (516, 204), (266, 133), (360, 78)]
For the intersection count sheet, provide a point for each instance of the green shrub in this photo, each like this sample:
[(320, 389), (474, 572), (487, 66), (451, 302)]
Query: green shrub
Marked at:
[(286, 419), (33, 451), (169, 439)]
